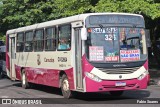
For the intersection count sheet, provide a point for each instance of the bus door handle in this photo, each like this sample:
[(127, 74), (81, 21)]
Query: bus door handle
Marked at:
[(64, 52)]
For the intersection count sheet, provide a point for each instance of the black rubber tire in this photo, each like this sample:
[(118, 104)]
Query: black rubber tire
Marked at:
[(66, 94), (25, 83), (116, 93), (1, 75)]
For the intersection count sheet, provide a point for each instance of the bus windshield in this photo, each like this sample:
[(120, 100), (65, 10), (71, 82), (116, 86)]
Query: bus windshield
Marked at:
[(115, 44)]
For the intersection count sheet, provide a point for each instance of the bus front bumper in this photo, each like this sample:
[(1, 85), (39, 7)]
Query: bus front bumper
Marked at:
[(111, 85)]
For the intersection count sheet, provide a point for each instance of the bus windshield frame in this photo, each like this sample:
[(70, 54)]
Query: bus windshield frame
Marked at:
[(115, 45)]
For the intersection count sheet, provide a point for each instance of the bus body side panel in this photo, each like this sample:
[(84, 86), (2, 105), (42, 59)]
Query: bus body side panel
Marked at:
[(86, 66), (48, 77), (109, 81), (70, 76), (43, 76), (45, 67), (7, 63), (18, 72), (146, 66), (7, 56)]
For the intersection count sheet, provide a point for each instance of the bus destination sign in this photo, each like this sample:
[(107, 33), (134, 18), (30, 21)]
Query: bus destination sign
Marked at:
[(115, 19)]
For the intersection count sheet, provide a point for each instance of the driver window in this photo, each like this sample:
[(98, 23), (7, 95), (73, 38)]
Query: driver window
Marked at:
[(64, 37)]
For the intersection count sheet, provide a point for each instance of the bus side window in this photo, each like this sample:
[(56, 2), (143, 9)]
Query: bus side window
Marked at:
[(64, 37), (20, 42), (39, 40), (50, 39), (29, 41)]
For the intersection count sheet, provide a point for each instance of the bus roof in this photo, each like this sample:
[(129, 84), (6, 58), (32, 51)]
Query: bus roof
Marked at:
[(11, 31), (80, 17)]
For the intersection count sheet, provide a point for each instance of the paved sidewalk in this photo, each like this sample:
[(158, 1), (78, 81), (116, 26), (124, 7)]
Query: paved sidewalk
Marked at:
[(154, 76), (154, 71)]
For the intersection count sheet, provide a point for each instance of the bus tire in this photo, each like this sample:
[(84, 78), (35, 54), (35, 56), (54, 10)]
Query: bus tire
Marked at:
[(116, 93), (24, 81), (1, 75), (66, 92)]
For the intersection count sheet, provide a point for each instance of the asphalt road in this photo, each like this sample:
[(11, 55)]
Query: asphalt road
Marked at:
[(13, 89)]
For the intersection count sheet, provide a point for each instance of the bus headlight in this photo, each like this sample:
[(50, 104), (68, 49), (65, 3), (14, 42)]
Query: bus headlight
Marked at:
[(93, 77), (142, 75)]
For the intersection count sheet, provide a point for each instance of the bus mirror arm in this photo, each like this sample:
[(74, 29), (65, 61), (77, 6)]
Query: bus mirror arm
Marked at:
[(83, 33)]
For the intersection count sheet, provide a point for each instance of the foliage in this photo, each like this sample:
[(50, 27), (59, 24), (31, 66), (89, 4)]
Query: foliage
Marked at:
[(17, 13), (64, 8), (146, 7), (24, 12), (1, 7), (2, 37)]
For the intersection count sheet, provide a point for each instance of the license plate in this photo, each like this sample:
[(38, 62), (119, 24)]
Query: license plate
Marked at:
[(120, 84)]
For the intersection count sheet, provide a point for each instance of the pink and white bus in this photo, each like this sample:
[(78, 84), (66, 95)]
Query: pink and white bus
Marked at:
[(94, 52)]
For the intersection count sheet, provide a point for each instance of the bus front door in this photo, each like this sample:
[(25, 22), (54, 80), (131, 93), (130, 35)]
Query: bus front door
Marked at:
[(12, 53), (78, 59)]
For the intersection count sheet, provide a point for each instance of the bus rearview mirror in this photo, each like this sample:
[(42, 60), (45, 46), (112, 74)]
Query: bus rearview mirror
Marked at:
[(83, 33)]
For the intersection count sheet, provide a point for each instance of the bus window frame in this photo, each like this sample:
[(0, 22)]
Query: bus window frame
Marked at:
[(32, 40), (45, 38), (58, 29), (23, 42), (43, 32)]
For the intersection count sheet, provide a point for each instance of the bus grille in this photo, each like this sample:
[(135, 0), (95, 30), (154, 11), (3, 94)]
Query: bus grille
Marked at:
[(119, 70)]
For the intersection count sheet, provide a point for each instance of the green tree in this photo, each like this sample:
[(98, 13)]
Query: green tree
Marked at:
[(1, 33), (18, 13), (146, 7), (64, 8)]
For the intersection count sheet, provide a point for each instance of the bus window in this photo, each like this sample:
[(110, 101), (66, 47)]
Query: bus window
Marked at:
[(20, 42), (50, 43), (38, 40), (64, 37), (29, 41)]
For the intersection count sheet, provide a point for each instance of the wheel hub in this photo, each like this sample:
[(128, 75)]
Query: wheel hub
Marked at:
[(65, 85), (23, 79)]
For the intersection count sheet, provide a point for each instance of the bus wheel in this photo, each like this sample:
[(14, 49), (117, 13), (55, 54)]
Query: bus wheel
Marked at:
[(116, 93), (1, 74), (65, 87), (24, 82)]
